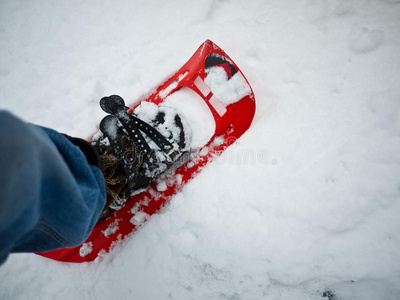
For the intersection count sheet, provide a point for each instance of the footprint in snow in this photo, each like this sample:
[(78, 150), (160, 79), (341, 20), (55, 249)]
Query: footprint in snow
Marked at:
[(363, 40)]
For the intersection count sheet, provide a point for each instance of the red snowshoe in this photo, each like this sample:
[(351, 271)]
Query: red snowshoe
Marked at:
[(216, 79)]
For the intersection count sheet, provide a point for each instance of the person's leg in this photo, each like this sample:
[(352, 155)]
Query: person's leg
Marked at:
[(50, 196)]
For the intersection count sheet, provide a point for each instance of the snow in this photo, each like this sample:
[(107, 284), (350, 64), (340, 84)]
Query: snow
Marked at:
[(86, 249), (139, 218), (195, 111), (306, 202), (227, 91), (162, 186), (112, 228), (363, 40)]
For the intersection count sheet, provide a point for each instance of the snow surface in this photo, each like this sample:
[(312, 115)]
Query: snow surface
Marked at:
[(307, 201)]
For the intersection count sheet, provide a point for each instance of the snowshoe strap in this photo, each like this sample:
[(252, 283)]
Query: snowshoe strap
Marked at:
[(115, 105), (215, 60), (127, 155), (153, 134)]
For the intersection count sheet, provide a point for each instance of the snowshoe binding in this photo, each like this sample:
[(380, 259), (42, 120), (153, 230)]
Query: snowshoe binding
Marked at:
[(136, 148), (221, 86)]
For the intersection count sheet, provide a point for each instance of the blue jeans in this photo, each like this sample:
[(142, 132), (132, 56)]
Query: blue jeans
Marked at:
[(50, 197)]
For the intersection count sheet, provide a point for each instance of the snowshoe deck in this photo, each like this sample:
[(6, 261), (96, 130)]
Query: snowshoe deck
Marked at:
[(232, 107)]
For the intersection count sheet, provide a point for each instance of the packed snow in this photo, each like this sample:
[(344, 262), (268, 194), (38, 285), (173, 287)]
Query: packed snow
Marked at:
[(227, 91), (86, 249), (305, 205), (196, 113)]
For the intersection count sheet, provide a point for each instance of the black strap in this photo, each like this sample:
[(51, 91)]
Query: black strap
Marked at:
[(115, 105), (129, 159)]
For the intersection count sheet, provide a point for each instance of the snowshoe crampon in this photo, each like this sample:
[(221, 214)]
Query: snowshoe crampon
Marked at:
[(218, 81)]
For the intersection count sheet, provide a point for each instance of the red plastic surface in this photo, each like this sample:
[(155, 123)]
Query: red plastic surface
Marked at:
[(229, 126)]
